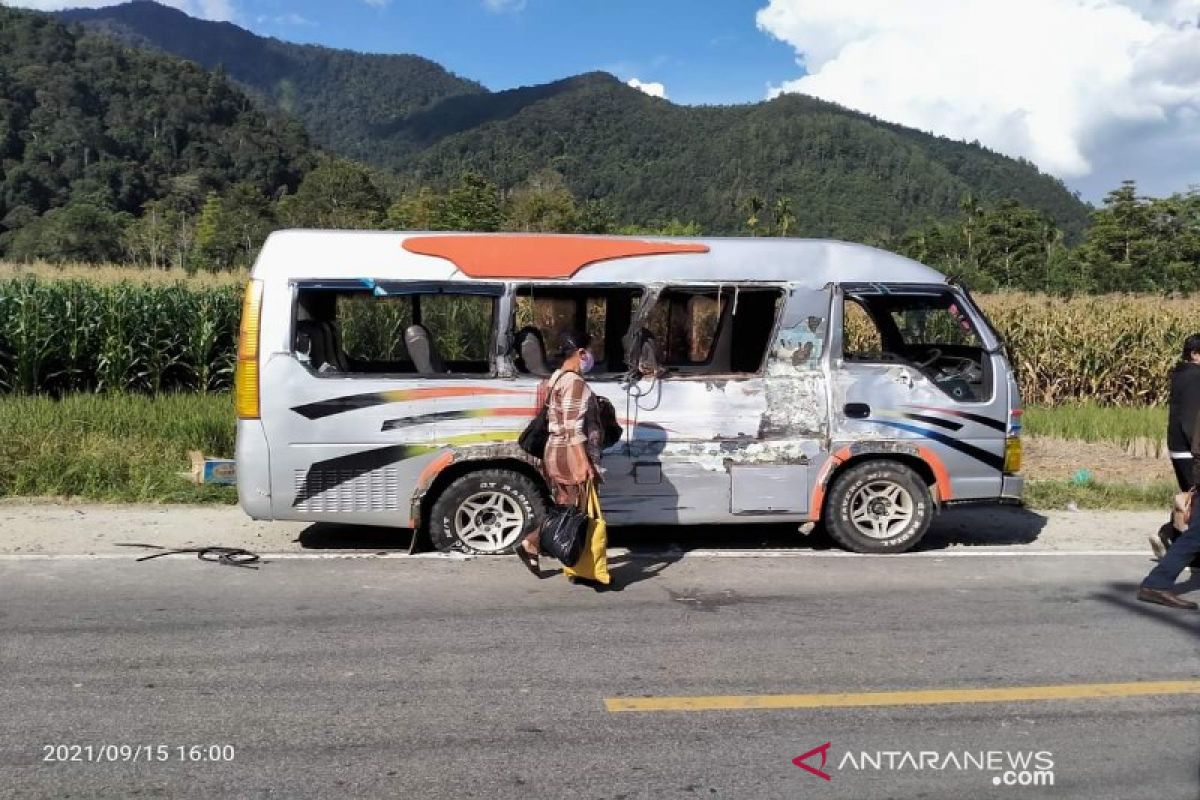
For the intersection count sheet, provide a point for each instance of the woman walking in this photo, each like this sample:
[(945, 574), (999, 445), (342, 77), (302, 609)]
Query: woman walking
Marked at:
[(573, 448)]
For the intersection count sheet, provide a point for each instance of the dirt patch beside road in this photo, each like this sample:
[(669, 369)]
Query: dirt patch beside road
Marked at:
[(28, 529), (1060, 459)]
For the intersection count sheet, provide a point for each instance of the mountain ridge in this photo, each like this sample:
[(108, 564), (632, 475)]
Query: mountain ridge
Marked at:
[(845, 173)]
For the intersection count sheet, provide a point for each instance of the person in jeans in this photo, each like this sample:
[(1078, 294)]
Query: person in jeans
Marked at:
[(1159, 585), (572, 456), (1183, 410)]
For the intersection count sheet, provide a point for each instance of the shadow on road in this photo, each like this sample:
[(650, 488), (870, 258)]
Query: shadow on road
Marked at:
[(335, 536), (1124, 597), (993, 525), (983, 525)]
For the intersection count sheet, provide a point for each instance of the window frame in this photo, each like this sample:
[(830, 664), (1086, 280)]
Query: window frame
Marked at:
[(988, 347), (696, 371), (391, 287), (530, 289)]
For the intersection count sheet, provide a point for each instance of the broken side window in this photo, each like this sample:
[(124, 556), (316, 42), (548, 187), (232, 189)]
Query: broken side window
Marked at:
[(712, 330), (544, 313), (374, 329), (925, 328)]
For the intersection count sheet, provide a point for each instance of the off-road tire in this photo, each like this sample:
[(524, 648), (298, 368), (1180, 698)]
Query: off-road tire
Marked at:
[(857, 487), (509, 491)]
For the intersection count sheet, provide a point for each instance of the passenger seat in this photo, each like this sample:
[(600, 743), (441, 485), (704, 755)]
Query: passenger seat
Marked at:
[(421, 351), (532, 351)]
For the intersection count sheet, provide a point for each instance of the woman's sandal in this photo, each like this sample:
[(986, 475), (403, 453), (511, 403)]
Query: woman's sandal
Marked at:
[(528, 559)]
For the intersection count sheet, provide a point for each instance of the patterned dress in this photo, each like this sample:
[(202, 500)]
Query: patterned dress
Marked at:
[(573, 447)]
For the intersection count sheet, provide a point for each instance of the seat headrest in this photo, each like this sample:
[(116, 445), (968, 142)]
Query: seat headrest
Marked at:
[(531, 349), (421, 351)]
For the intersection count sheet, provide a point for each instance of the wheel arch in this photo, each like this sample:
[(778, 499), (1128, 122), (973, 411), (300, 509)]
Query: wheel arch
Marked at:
[(921, 460), (449, 467)]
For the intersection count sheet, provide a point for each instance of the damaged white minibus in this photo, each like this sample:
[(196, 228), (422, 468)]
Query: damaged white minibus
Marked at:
[(383, 378)]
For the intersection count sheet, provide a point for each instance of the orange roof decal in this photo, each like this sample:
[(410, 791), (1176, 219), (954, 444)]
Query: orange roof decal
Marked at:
[(535, 255)]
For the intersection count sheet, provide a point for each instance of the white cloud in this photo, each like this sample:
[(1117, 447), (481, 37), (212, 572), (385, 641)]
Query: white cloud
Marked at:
[(1092, 91), (378, 3), (284, 19), (504, 6), (652, 89), (222, 10)]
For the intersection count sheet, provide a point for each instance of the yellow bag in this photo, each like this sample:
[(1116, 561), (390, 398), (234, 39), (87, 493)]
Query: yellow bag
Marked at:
[(593, 562)]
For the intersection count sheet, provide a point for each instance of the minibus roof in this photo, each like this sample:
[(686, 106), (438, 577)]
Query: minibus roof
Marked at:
[(425, 256)]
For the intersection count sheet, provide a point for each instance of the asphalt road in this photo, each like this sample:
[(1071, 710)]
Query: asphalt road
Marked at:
[(434, 678)]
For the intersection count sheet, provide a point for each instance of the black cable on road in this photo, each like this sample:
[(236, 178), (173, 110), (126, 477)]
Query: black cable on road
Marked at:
[(229, 556)]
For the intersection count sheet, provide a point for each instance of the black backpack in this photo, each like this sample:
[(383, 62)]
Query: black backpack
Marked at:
[(533, 439), (607, 416)]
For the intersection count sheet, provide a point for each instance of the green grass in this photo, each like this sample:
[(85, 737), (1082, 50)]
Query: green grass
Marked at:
[(115, 448), (1093, 423), (130, 448), (1056, 495)]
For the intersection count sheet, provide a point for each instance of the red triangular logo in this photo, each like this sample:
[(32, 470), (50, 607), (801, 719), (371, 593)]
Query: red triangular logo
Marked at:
[(824, 751)]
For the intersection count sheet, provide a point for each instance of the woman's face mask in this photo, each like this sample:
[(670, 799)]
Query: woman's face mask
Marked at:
[(587, 361)]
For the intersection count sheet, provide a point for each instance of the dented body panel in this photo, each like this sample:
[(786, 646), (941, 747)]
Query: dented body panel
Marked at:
[(697, 449)]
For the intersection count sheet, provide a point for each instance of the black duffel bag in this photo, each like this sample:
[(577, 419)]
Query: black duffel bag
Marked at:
[(563, 534)]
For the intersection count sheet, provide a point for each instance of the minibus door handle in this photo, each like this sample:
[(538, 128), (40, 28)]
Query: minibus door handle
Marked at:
[(857, 410)]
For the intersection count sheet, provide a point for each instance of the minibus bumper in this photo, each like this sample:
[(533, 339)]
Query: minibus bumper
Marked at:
[(253, 469), (1012, 488)]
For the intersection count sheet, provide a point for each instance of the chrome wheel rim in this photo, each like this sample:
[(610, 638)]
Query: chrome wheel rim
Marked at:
[(489, 522), (882, 509)]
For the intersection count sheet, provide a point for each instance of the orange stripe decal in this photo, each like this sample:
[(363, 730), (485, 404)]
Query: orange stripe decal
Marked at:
[(439, 392), (536, 256)]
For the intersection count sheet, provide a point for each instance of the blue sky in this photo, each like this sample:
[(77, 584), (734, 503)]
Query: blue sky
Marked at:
[(711, 53), (1091, 91)]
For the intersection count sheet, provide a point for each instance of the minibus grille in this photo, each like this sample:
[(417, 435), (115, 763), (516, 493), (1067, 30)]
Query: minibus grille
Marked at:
[(336, 490)]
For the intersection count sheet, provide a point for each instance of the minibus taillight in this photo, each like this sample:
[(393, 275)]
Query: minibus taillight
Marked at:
[(1012, 455), (1012, 443), (245, 375)]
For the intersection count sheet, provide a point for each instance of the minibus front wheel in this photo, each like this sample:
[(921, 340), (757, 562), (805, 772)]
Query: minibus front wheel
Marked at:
[(878, 506), (485, 512)]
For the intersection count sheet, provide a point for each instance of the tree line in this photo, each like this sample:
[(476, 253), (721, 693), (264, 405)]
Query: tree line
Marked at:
[(1133, 244)]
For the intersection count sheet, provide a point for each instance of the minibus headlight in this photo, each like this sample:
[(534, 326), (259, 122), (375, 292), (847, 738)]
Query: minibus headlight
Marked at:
[(1012, 455), (245, 375)]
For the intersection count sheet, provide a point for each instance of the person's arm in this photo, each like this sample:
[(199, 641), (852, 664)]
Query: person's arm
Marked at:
[(1189, 402), (1195, 452)]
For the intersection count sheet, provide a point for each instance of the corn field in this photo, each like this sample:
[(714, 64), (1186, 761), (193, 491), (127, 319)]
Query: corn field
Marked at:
[(65, 336), (74, 335), (1108, 349)]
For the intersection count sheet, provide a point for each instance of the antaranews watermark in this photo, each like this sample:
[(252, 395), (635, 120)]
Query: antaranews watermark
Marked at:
[(1014, 768)]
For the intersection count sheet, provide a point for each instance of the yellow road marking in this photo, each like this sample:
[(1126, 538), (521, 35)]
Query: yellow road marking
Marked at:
[(918, 697)]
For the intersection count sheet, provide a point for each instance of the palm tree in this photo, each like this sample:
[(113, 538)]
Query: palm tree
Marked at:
[(755, 205), (784, 218)]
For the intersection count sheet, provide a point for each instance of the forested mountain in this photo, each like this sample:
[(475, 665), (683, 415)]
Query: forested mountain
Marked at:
[(842, 173), (344, 99), (93, 132), (845, 174)]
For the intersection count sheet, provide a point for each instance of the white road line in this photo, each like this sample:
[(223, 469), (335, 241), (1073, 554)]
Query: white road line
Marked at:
[(646, 555)]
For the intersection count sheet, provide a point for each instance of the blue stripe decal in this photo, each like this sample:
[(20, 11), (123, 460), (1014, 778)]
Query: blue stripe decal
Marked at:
[(928, 420), (978, 453)]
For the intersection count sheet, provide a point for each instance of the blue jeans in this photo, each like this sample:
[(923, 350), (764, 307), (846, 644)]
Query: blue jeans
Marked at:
[(1178, 556)]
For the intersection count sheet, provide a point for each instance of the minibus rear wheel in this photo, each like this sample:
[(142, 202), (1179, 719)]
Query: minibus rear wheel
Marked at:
[(878, 506), (486, 512)]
